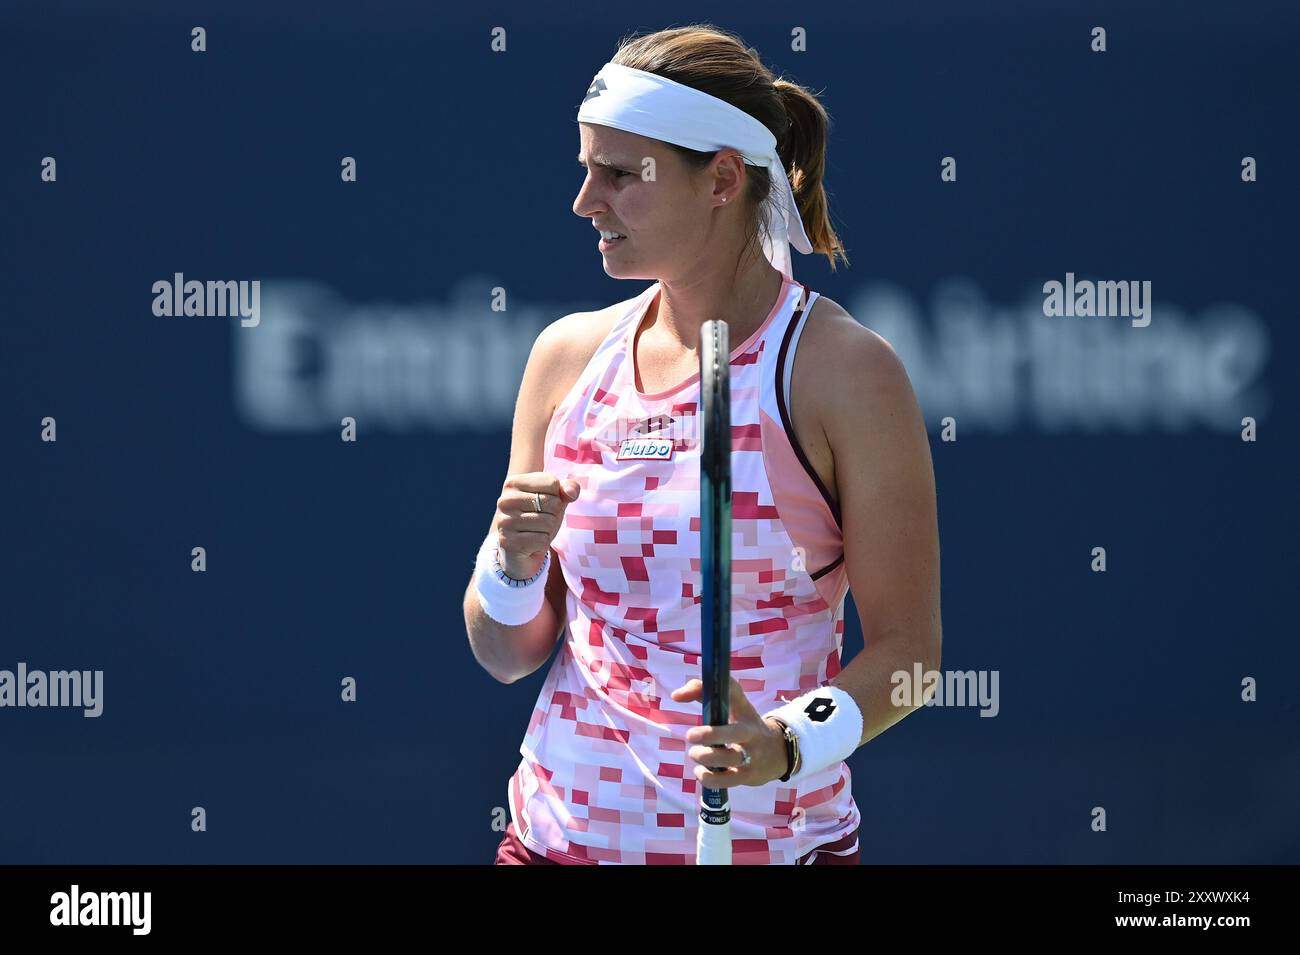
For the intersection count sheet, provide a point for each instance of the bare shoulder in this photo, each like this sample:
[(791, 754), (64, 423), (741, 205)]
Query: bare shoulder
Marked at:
[(564, 347), (844, 365), (559, 354), (853, 378)]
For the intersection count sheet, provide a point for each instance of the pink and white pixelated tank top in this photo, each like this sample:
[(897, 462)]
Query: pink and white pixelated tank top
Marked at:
[(604, 776)]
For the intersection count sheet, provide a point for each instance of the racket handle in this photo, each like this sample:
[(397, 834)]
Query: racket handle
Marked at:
[(714, 844)]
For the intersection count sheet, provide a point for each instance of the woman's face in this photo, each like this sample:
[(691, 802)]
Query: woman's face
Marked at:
[(665, 218)]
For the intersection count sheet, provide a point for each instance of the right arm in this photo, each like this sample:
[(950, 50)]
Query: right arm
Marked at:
[(510, 653)]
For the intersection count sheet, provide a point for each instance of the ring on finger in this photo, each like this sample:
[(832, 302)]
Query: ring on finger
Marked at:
[(537, 501)]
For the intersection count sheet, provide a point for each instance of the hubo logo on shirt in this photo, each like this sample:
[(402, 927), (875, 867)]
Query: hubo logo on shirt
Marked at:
[(646, 449), (102, 908), (651, 439)]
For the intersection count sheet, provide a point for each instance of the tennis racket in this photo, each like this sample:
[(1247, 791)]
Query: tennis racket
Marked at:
[(714, 844)]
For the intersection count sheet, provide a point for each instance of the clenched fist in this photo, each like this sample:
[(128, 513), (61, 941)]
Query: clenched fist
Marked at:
[(524, 533)]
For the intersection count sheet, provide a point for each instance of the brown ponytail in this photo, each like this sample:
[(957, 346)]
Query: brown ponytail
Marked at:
[(803, 151), (715, 61)]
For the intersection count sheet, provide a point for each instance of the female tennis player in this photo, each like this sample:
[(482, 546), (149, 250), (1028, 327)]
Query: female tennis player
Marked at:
[(702, 169)]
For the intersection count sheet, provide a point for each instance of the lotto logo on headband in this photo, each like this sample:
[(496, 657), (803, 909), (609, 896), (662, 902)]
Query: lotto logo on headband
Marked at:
[(595, 88), (645, 449)]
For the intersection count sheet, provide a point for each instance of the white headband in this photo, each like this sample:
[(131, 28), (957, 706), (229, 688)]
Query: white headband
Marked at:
[(639, 102)]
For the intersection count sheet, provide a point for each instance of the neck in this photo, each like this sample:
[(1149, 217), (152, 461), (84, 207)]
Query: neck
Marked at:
[(683, 306)]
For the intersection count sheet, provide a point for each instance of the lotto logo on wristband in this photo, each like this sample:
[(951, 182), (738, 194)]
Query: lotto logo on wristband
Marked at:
[(827, 726), (820, 709)]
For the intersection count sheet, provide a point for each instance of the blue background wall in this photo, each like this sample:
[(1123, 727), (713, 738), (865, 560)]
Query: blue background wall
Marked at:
[(328, 560)]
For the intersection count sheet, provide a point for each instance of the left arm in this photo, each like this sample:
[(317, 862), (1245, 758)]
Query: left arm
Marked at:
[(885, 485)]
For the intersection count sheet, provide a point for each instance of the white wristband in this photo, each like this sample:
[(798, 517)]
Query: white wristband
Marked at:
[(512, 603), (829, 726)]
